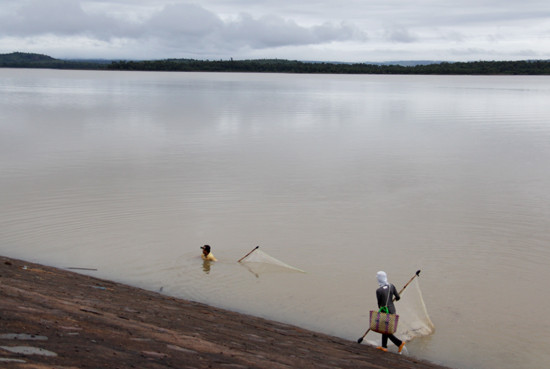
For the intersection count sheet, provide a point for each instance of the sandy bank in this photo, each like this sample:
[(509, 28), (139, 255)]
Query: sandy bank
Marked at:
[(52, 318)]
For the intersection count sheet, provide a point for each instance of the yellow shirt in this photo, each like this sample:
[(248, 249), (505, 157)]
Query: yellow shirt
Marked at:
[(209, 257)]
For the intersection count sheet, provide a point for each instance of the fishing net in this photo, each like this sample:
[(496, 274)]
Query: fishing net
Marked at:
[(261, 262), (414, 320)]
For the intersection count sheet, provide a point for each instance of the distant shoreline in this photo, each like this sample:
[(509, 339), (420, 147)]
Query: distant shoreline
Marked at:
[(65, 319), (38, 61)]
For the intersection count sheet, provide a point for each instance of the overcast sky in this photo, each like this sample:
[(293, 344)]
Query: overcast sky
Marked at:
[(327, 30)]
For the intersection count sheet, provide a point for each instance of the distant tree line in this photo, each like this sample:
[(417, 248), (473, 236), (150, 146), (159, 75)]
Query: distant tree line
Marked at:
[(525, 67), (287, 66)]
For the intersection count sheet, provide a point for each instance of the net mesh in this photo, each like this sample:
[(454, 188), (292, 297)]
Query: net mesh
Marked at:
[(414, 320), (261, 262)]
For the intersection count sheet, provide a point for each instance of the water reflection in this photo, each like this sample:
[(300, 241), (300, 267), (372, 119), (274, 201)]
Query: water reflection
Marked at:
[(247, 267)]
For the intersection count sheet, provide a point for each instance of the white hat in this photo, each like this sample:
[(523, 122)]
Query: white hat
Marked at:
[(382, 278)]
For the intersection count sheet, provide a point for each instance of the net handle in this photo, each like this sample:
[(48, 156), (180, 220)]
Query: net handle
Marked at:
[(254, 249), (417, 274)]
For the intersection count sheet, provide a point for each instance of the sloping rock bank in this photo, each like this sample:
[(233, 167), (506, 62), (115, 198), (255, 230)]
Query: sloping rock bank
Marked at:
[(52, 318)]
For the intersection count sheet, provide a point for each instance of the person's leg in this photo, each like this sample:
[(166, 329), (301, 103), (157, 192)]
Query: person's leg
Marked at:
[(396, 341), (385, 341)]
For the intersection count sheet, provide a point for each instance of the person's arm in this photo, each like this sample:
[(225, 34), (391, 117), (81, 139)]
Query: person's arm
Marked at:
[(395, 293)]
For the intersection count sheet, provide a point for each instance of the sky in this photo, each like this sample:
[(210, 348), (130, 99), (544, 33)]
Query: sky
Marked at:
[(307, 30)]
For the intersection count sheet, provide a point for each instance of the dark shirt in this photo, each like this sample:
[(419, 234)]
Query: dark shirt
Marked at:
[(382, 297)]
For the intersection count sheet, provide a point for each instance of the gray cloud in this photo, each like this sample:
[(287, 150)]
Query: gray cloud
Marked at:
[(400, 35), (183, 20), (189, 26), (57, 17), (275, 31)]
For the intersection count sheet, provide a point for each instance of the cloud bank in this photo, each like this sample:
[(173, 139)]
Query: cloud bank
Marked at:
[(323, 30)]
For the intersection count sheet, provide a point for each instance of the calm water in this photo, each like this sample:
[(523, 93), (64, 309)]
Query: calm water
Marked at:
[(340, 176)]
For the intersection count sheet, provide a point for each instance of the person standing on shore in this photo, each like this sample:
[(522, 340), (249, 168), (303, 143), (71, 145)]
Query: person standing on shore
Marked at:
[(207, 254), (384, 296)]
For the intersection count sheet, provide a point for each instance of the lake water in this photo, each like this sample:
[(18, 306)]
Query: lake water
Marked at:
[(341, 176)]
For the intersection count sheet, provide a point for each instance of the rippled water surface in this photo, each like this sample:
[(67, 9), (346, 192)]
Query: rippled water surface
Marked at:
[(340, 176)]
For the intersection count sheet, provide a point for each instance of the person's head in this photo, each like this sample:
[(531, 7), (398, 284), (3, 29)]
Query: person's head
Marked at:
[(205, 249), (382, 278)]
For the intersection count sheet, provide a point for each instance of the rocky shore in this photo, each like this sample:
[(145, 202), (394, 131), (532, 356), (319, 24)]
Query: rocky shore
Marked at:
[(53, 318)]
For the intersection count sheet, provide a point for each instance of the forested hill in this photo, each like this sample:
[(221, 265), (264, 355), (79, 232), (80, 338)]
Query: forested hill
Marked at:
[(25, 58), (29, 60), (526, 67)]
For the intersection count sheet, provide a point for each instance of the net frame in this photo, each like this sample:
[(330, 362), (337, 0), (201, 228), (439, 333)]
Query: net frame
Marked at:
[(259, 257)]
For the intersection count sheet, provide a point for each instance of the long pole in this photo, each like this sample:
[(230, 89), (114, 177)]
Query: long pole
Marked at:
[(417, 274), (254, 249)]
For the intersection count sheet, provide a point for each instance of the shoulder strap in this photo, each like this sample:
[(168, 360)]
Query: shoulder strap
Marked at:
[(384, 309), (389, 294)]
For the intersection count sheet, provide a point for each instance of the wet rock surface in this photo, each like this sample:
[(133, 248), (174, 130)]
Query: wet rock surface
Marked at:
[(53, 318)]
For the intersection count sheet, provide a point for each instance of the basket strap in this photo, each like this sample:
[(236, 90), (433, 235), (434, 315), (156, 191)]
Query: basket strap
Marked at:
[(389, 294)]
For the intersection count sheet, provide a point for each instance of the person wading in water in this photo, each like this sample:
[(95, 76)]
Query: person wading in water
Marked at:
[(207, 254)]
